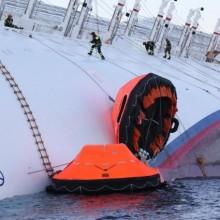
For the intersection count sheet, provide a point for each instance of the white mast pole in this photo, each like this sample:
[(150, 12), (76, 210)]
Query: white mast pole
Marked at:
[(133, 17), (214, 39), (2, 3), (192, 32), (30, 8), (71, 9), (165, 27), (115, 21), (86, 7), (186, 29), (158, 21)]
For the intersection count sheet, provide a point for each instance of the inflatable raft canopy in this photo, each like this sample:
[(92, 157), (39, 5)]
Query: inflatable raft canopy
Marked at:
[(144, 114), (105, 168), (143, 118)]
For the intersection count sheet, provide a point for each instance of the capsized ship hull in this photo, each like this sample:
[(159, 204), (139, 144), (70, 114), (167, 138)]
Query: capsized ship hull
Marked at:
[(195, 153), (68, 93)]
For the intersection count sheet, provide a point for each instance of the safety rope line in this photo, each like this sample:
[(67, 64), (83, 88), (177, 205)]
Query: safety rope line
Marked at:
[(113, 63), (61, 53), (79, 67), (206, 66), (173, 66), (170, 75), (30, 119), (203, 73)]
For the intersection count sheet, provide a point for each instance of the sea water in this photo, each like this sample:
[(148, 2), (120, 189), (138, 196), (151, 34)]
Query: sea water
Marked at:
[(182, 199)]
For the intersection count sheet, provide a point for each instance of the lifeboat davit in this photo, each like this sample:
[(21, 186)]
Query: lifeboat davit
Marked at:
[(105, 168), (144, 114)]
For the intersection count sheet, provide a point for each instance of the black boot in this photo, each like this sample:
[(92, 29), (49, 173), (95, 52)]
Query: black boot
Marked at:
[(102, 57), (164, 56), (90, 53)]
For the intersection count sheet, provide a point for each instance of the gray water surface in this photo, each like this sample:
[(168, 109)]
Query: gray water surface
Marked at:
[(183, 199)]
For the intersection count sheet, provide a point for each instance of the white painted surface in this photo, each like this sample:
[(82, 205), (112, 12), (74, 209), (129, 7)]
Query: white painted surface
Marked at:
[(70, 109)]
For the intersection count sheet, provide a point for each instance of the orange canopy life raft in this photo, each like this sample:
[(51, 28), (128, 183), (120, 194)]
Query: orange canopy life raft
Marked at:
[(105, 168), (143, 114), (143, 118)]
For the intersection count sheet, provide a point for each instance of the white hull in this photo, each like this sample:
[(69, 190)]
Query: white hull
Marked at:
[(70, 109)]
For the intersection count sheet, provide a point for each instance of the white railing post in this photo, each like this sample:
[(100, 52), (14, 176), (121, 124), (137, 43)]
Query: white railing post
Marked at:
[(86, 8), (192, 32), (2, 5), (215, 36), (186, 29), (115, 21), (30, 8), (70, 12), (165, 27), (133, 18), (158, 21)]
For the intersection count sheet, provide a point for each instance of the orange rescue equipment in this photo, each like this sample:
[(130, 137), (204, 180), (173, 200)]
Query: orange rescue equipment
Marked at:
[(143, 114), (101, 168)]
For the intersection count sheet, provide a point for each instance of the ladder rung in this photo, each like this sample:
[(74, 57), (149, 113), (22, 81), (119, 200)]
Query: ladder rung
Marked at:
[(17, 92), (33, 127), (38, 141), (50, 170), (37, 134), (43, 151), (21, 98), (28, 113), (44, 157), (14, 85), (30, 120), (25, 106), (47, 164)]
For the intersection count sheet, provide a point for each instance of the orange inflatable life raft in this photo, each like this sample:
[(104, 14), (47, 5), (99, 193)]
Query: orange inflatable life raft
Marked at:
[(105, 168), (143, 114)]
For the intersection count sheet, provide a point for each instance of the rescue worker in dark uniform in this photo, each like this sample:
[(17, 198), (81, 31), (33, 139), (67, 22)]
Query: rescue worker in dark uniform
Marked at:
[(149, 45), (96, 43), (167, 51), (9, 23)]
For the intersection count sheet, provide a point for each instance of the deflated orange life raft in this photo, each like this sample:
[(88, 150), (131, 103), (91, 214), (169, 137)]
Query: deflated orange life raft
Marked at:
[(101, 168), (143, 114)]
